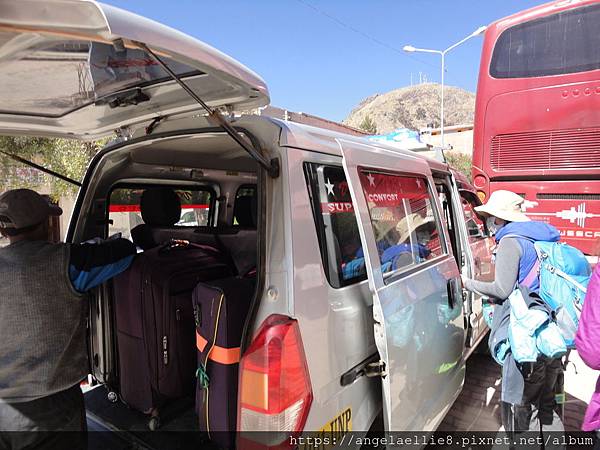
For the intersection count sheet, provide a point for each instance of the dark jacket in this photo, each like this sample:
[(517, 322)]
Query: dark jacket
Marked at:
[(512, 372)]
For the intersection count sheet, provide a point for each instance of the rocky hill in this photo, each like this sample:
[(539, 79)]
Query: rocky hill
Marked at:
[(414, 107)]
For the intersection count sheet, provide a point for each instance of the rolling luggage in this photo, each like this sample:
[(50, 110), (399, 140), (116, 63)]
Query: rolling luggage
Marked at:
[(220, 309), (155, 323)]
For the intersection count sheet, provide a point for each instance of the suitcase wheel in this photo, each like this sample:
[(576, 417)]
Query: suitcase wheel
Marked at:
[(154, 423)]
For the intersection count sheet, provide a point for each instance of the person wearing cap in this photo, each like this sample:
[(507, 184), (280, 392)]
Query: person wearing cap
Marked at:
[(515, 258), (43, 355)]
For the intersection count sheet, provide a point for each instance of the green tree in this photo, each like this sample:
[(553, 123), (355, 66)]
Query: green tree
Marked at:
[(368, 125), (67, 157), (460, 162)]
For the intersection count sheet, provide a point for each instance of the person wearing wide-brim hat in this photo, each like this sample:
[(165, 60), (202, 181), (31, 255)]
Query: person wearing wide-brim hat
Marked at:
[(515, 261), (42, 323), (414, 222), (506, 206)]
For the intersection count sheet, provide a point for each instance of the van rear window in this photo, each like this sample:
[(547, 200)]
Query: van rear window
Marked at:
[(337, 229), (62, 76), (124, 210)]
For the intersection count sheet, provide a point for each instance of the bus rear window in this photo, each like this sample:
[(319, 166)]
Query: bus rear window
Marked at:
[(566, 42)]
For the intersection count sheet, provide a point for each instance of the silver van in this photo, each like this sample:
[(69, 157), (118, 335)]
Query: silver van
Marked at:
[(358, 247)]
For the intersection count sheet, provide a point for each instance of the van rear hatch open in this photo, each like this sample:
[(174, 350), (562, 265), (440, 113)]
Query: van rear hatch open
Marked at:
[(71, 68)]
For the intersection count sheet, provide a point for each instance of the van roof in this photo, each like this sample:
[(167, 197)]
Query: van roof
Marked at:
[(305, 136)]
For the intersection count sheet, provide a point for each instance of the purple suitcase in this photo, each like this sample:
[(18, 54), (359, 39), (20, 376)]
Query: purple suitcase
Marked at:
[(220, 309), (155, 323)]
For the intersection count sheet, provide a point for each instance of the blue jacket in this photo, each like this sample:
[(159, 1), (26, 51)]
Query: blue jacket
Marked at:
[(530, 231), (92, 264)]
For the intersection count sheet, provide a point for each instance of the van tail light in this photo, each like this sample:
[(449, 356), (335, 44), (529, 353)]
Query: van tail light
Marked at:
[(275, 393)]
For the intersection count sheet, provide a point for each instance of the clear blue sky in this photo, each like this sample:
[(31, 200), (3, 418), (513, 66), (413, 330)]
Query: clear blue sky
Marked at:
[(324, 57)]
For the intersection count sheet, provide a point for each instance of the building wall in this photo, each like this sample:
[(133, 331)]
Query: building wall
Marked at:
[(461, 141)]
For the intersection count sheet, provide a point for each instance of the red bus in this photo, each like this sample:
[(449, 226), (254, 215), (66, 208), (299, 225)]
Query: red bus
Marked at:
[(537, 115)]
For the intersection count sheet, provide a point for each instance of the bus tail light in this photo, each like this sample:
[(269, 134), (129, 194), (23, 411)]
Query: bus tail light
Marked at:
[(481, 196), (479, 181), (275, 393)]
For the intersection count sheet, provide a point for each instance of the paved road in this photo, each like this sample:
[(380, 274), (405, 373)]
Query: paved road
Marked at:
[(477, 408)]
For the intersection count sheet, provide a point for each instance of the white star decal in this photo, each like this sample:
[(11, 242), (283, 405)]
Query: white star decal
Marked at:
[(329, 187), (371, 179)]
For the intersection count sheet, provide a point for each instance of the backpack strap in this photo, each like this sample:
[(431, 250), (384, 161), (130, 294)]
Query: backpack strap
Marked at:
[(536, 267), (569, 278), (533, 274)]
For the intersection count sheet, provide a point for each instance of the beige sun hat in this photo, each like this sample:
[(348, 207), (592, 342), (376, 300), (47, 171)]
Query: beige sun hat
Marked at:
[(505, 205), (411, 223)]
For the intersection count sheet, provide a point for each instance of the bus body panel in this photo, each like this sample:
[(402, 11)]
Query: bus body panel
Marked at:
[(540, 135), (577, 216)]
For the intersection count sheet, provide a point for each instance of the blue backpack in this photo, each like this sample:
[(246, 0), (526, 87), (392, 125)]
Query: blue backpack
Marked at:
[(564, 275)]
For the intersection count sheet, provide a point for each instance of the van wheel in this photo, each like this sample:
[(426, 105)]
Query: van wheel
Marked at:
[(154, 423)]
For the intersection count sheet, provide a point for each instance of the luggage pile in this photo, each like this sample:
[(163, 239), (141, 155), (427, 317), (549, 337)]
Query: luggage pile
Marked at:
[(180, 314)]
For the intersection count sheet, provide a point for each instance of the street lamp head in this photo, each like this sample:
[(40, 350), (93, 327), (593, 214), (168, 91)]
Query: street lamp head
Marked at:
[(409, 48), (479, 31)]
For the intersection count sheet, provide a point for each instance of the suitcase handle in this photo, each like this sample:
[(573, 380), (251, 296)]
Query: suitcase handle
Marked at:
[(184, 243)]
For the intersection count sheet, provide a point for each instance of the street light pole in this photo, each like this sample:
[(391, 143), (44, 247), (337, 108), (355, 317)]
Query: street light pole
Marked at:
[(442, 103), (442, 53)]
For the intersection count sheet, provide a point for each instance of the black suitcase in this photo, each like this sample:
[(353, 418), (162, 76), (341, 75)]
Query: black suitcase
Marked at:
[(220, 310), (155, 323)]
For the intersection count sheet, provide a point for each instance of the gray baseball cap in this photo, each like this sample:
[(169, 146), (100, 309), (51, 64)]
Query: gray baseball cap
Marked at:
[(22, 208)]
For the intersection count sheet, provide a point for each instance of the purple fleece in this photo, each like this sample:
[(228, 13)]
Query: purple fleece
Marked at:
[(587, 342)]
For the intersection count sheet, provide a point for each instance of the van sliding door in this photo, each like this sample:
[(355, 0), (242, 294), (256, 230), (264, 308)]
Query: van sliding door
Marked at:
[(418, 322), (479, 258)]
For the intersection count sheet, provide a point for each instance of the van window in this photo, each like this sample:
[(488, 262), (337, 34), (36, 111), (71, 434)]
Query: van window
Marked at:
[(405, 226), (245, 201), (448, 215), (337, 230), (475, 225), (124, 209)]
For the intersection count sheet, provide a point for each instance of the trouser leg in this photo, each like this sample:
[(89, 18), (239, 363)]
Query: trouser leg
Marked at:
[(526, 412), (547, 401), (539, 392)]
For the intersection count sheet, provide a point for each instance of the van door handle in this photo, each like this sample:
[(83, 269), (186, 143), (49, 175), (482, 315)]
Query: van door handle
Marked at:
[(454, 290), (450, 292)]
